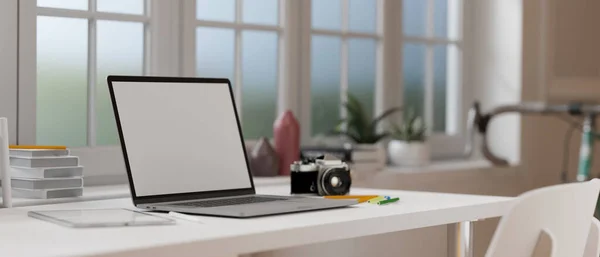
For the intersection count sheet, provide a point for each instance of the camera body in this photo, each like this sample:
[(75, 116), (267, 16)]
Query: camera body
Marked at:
[(321, 177)]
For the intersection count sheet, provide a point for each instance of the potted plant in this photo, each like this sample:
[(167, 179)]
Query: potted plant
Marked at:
[(409, 146), (358, 126), (362, 130)]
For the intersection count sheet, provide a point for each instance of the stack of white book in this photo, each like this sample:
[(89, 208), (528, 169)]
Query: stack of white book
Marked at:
[(367, 160), (45, 173)]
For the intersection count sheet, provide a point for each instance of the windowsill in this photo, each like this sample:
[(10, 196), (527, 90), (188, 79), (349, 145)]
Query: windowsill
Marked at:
[(439, 167), (93, 193)]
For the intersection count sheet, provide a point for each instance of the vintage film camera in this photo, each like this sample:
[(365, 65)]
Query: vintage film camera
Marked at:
[(321, 177)]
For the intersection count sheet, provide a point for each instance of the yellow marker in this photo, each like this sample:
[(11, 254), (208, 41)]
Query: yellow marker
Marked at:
[(377, 199), (364, 199), (52, 147)]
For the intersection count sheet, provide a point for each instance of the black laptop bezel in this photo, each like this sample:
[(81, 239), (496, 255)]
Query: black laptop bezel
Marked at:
[(137, 200)]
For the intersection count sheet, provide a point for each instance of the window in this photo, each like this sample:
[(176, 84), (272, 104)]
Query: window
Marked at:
[(240, 40), (304, 56), (427, 45), (432, 69), (344, 45), (70, 47), (78, 44)]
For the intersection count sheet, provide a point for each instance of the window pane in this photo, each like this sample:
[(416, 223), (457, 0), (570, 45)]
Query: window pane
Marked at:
[(215, 10), (65, 4), (61, 81), (363, 15), (121, 6), (120, 52), (414, 17), (327, 14), (361, 71), (259, 89), (440, 58), (325, 83), (261, 11), (441, 18), (414, 78), (215, 53)]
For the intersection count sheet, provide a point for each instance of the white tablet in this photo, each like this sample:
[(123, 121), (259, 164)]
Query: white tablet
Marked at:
[(100, 218)]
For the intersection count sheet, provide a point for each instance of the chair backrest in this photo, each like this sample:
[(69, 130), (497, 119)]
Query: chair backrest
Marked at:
[(592, 247), (565, 212)]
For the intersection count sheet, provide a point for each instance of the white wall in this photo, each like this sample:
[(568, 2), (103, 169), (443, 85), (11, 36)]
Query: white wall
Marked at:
[(496, 69), (8, 65)]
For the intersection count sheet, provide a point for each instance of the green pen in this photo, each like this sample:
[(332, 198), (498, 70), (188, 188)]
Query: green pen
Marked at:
[(388, 201)]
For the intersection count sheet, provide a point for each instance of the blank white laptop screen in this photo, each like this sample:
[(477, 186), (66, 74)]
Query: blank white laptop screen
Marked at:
[(180, 137)]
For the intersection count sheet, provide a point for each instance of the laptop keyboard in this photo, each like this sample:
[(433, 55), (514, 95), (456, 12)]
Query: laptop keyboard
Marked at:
[(229, 201)]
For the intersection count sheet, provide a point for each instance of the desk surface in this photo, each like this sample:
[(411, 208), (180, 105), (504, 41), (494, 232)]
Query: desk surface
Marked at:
[(24, 236)]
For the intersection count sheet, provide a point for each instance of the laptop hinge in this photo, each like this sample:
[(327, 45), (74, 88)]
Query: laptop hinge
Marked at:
[(193, 196)]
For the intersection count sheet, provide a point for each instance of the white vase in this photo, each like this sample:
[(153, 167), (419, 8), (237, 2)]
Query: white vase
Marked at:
[(402, 153)]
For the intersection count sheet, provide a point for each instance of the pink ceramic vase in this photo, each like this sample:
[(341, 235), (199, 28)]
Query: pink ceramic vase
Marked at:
[(286, 131)]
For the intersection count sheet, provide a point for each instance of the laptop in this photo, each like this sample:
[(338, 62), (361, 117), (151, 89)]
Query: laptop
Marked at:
[(184, 150)]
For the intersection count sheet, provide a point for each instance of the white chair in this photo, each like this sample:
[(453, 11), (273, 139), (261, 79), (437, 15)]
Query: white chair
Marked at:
[(592, 248), (557, 218)]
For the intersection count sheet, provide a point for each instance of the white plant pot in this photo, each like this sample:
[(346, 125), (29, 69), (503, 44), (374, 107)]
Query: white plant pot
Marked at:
[(402, 153)]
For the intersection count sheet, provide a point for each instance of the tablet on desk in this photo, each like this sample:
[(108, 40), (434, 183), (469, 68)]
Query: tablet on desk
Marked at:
[(100, 218)]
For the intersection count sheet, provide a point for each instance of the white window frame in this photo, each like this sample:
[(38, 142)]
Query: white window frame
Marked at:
[(171, 52), (345, 35), (191, 23), (103, 164), (389, 88), (448, 144)]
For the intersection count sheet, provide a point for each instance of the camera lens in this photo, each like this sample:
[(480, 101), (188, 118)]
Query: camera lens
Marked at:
[(335, 181)]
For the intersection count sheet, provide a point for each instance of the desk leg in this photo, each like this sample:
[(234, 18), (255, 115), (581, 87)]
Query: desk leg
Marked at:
[(460, 239)]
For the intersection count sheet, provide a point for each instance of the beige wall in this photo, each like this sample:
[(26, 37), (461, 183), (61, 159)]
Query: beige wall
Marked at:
[(542, 137)]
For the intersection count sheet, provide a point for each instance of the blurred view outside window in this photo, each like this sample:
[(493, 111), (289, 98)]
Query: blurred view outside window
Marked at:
[(253, 70), (239, 40), (338, 37), (72, 93)]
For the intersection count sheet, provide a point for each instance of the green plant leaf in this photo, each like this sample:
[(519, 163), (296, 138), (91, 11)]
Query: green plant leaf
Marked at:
[(411, 129), (354, 115), (358, 125), (357, 119), (384, 115)]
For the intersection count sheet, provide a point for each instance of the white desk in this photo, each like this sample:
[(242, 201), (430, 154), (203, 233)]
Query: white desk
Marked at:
[(24, 236)]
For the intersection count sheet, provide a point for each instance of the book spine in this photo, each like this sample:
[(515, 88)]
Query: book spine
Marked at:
[(48, 194), (36, 184), (45, 162), (39, 153), (52, 172)]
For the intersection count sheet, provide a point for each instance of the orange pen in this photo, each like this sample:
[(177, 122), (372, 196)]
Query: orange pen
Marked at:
[(359, 198)]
